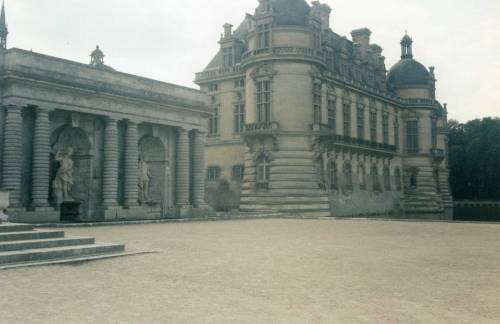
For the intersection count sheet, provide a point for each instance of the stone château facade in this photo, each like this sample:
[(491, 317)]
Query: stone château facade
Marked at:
[(305, 120), (85, 142)]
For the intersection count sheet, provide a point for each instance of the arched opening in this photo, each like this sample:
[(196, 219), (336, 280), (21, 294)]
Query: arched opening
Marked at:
[(347, 177), (154, 172), (375, 179), (362, 176), (333, 176), (397, 176), (387, 179), (73, 143)]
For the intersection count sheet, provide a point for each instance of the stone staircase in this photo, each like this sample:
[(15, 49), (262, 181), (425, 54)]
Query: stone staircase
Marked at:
[(22, 246)]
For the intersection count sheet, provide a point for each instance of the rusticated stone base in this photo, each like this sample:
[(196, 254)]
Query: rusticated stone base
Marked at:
[(38, 215)]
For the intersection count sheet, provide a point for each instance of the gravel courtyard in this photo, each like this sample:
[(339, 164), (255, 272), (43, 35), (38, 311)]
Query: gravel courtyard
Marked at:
[(270, 271)]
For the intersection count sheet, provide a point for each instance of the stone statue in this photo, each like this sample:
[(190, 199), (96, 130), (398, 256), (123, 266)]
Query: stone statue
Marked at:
[(64, 177), (144, 176)]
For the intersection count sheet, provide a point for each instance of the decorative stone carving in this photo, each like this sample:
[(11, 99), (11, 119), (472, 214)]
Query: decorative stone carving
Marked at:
[(144, 176), (64, 178)]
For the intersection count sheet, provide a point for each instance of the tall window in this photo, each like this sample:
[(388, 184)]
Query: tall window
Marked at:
[(347, 120), (240, 83), (387, 179), (213, 123), (213, 173), (333, 175), (360, 117), (362, 177), (385, 128), (434, 132), (373, 125), (397, 178), (347, 177), (317, 103), (263, 36), (412, 136), (396, 132), (332, 114), (263, 101), (263, 172), (238, 172), (227, 56), (239, 117), (213, 87), (375, 179)]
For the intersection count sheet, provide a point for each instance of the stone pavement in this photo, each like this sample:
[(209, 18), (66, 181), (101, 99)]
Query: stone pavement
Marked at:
[(271, 271)]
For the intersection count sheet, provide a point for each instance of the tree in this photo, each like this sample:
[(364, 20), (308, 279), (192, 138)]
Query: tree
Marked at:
[(474, 159)]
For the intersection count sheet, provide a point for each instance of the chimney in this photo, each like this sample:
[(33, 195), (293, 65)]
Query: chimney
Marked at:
[(362, 37), (323, 11)]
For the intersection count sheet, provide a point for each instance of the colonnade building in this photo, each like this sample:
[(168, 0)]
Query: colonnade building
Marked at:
[(85, 142), (307, 121)]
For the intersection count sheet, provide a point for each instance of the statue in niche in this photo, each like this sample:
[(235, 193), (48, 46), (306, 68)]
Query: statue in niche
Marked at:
[(144, 176), (64, 177)]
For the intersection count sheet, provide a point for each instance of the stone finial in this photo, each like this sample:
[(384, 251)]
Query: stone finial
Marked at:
[(4, 31), (228, 30), (406, 46), (97, 57)]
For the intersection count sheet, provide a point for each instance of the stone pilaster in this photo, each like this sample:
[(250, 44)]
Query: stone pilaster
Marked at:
[(199, 169), (12, 153), (41, 159), (131, 164), (110, 177), (182, 168), (2, 128)]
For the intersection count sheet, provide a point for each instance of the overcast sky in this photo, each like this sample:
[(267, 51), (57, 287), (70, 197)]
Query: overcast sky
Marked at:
[(170, 40)]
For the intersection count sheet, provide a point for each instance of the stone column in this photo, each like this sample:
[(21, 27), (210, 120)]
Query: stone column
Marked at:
[(182, 166), (110, 177), (131, 164), (41, 159), (199, 169), (12, 154)]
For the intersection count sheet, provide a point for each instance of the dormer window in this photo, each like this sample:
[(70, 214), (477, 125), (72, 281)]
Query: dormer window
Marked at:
[(227, 57), (263, 34)]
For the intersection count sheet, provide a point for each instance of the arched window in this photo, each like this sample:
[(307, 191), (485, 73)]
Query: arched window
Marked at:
[(387, 179), (263, 172), (436, 179), (397, 176), (375, 180), (333, 175), (347, 177), (412, 179)]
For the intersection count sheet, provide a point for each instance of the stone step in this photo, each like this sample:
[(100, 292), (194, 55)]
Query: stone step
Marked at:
[(59, 253), (31, 235), (45, 243), (12, 227)]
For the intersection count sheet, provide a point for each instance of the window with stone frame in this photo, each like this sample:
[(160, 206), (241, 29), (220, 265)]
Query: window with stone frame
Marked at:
[(347, 177), (373, 124), (375, 179), (240, 83), (213, 122), (263, 36), (317, 103), (332, 168), (412, 145), (397, 179), (385, 128), (263, 172), (213, 173), (396, 133), (263, 88), (239, 117), (434, 132), (227, 54), (387, 179), (362, 176), (332, 114), (213, 87), (347, 119), (238, 172), (360, 117)]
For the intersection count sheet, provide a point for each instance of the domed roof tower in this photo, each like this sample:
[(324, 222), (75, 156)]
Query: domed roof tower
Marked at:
[(408, 77), (290, 12)]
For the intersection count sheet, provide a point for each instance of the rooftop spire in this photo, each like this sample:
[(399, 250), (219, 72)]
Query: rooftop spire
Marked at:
[(3, 29), (406, 47)]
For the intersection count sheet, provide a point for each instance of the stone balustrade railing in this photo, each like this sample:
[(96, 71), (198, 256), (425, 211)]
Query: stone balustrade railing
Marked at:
[(284, 51), (261, 128), (325, 130), (216, 73)]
